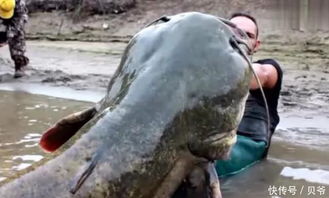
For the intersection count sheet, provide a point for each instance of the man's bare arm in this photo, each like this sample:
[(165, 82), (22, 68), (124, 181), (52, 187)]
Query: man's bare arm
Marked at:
[(267, 75)]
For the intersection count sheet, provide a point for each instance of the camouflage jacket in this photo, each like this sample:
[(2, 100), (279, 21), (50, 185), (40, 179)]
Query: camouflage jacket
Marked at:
[(13, 30)]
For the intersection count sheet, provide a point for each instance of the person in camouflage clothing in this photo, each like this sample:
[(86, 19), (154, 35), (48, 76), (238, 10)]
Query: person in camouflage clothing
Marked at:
[(13, 16)]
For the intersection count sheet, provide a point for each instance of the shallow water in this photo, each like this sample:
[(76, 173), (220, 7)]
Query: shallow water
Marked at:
[(296, 162), (23, 118), (290, 171)]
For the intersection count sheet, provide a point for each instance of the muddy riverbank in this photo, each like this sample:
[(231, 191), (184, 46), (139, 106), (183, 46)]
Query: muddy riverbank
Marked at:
[(89, 66), (119, 20)]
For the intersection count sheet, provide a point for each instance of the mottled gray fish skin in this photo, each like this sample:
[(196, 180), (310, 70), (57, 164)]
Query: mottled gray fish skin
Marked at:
[(174, 102)]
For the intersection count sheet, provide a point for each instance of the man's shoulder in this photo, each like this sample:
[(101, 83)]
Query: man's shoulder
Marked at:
[(268, 61), (273, 62)]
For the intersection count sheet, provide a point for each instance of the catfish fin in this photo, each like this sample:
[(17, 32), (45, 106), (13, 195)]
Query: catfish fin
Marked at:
[(64, 129)]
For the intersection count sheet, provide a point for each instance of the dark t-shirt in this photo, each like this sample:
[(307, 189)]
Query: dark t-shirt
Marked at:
[(254, 120)]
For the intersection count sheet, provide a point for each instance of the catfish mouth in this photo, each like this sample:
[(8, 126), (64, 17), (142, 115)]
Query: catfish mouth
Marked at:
[(221, 138), (219, 144)]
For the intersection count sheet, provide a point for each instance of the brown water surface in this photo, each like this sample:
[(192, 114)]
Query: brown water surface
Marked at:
[(23, 118)]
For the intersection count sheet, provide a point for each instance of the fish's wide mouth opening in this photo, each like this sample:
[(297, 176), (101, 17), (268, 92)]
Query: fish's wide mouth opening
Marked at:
[(220, 144), (228, 138)]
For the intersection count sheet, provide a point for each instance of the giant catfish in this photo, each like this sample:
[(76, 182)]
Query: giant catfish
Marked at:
[(174, 102)]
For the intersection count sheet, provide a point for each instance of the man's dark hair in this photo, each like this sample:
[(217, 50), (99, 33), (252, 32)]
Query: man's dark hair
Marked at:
[(241, 14)]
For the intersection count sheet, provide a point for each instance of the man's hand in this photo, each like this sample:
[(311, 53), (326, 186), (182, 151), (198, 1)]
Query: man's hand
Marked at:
[(203, 182), (20, 61), (2, 44)]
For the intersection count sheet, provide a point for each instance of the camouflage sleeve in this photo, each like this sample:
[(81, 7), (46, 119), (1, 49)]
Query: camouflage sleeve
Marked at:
[(16, 31)]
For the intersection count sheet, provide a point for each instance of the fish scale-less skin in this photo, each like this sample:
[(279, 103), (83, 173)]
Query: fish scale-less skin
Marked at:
[(179, 84)]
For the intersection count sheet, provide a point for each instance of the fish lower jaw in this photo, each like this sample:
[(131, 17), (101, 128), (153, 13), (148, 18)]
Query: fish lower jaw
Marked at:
[(227, 138), (220, 148)]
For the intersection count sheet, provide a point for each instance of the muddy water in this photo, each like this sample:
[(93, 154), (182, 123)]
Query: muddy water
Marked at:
[(297, 165), (23, 118), (298, 158)]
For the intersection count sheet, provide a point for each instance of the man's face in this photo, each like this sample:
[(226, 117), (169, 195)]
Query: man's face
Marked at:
[(249, 27)]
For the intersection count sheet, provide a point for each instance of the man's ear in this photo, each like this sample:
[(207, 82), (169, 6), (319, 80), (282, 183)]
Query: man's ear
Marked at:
[(257, 44)]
